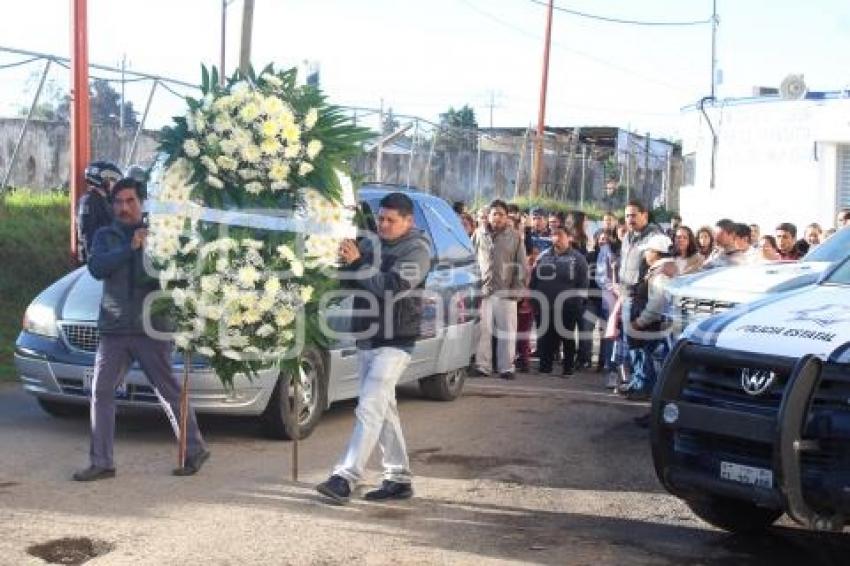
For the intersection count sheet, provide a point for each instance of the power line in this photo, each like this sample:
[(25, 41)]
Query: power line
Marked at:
[(576, 51), (612, 20)]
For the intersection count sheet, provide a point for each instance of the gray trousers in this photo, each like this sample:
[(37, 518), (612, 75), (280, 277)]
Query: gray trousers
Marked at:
[(114, 356)]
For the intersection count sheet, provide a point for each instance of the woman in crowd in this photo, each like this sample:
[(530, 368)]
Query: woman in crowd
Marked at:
[(648, 316), (768, 249), (705, 242), (468, 223), (685, 251), (576, 220), (607, 264)]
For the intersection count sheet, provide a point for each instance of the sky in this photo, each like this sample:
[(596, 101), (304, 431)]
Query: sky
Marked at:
[(422, 56)]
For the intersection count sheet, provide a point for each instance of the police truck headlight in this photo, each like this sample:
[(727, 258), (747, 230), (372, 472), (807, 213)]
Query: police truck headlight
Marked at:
[(40, 319), (670, 414)]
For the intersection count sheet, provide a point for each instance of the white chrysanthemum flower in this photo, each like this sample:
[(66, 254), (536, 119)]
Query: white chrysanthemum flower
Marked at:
[(286, 252), (232, 355), (181, 340), (255, 187), (224, 103), (229, 147), (214, 182), (291, 133), (306, 293), (248, 174), (190, 121), (210, 283), (251, 153), (313, 149), (311, 118), (284, 317), (279, 171), (268, 128), (212, 139), (297, 267), (265, 331), (222, 123), (191, 148), (206, 351), (208, 162), (292, 151), (271, 79), (251, 316), (305, 169), (249, 113), (273, 106), (189, 246), (270, 146), (226, 163), (248, 276), (222, 265), (279, 186)]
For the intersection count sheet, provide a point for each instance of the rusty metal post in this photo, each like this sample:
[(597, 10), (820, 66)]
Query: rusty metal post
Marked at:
[(80, 111), (541, 116)]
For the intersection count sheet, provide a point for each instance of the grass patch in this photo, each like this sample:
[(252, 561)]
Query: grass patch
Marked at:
[(34, 241)]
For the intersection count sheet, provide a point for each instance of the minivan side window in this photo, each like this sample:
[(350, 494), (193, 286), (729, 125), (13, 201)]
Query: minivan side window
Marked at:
[(450, 239)]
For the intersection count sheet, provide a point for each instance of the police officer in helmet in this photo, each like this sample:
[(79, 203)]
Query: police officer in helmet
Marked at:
[(94, 209)]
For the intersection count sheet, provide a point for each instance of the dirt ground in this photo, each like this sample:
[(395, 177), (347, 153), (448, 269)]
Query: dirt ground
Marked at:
[(542, 470)]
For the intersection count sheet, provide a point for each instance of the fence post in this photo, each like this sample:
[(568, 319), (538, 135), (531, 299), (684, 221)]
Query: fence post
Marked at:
[(141, 125), (27, 120), (583, 174)]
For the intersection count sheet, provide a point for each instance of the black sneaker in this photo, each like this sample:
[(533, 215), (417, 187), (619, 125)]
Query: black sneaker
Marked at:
[(568, 372), (193, 464), (335, 488), (509, 375), (390, 490), (94, 473)]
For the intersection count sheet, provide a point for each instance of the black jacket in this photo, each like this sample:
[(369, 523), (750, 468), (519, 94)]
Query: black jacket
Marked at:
[(93, 213), (555, 273), (125, 282), (402, 268)]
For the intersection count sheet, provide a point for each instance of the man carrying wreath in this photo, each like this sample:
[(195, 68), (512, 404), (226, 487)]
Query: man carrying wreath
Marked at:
[(392, 278), (117, 260)]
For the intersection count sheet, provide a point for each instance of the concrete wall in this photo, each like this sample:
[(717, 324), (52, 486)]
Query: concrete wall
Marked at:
[(775, 161), (43, 160)]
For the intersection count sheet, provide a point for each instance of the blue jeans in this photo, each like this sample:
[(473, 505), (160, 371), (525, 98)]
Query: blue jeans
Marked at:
[(645, 362)]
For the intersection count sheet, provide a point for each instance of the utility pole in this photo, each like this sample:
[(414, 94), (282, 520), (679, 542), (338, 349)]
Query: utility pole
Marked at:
[(714, 22), (541, 116), (80, 111), (247, 25)]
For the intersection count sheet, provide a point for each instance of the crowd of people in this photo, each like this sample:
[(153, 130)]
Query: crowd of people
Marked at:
[(546, 281)]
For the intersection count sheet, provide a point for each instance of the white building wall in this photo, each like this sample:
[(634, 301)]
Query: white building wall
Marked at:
[(775, 162)]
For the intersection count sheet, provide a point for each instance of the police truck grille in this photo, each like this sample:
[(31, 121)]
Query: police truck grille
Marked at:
[(83, 337)]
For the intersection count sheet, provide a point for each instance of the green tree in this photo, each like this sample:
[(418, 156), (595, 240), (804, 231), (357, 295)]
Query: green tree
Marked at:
[(105, 101), (459, 128)]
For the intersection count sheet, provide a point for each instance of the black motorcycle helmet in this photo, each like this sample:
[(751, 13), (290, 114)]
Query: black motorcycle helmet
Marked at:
[(102, 174)]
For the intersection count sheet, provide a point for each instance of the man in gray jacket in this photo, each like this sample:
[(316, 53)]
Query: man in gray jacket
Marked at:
[(117, 260), (501, 258), (393, 276)]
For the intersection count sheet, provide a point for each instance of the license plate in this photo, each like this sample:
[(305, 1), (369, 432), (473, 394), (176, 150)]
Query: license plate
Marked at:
[(759, 477), (88, 377)]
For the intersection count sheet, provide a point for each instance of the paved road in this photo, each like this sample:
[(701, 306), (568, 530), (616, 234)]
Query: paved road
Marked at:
[(541, 470)]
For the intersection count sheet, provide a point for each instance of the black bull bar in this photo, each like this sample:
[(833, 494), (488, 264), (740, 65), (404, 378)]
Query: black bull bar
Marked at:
[(783, 432)]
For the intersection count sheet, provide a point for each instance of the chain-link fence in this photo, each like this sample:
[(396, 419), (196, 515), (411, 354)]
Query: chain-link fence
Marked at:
[(467, 164)]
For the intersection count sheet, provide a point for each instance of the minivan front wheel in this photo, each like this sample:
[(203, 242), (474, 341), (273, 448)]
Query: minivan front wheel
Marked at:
[(278, 419), (443, 386)]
